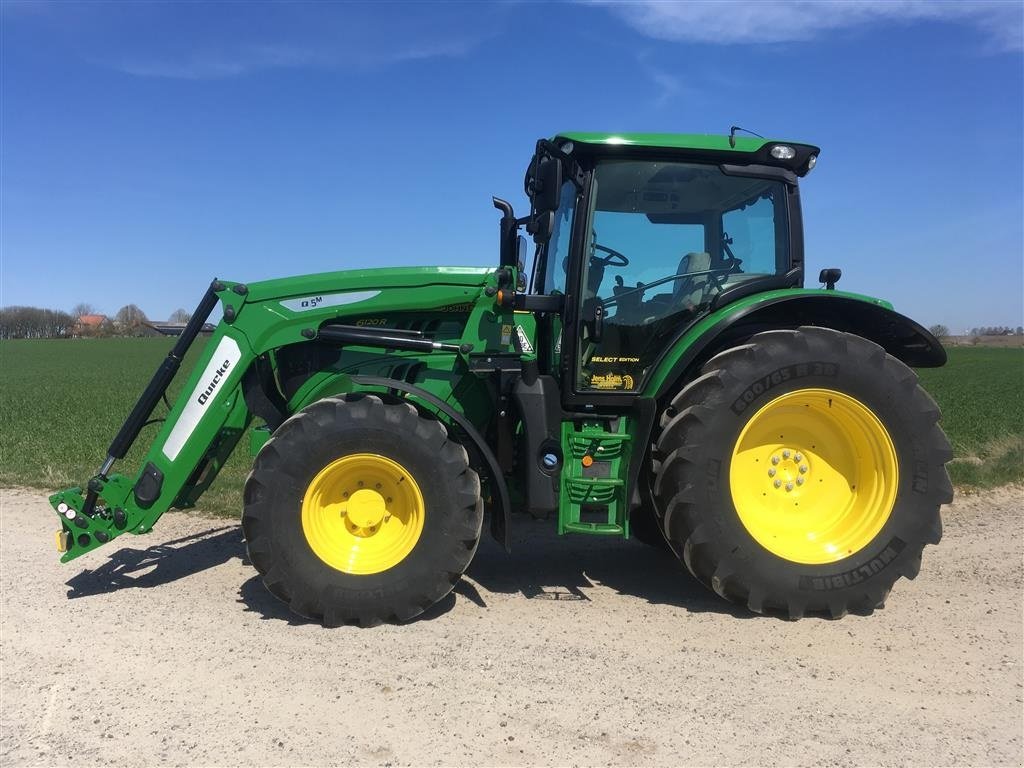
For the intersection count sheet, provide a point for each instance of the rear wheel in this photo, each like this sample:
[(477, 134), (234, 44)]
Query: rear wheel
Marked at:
[(360, 511), (802, 472)]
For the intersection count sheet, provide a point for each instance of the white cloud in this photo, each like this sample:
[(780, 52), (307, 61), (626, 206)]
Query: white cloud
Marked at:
[(193, 41), (235, 61), (777, 21), (453, 49), (667, 85), (214, 64)]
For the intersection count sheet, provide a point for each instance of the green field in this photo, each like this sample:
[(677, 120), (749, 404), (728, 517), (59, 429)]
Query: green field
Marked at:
[(62, 401), (981, 393)]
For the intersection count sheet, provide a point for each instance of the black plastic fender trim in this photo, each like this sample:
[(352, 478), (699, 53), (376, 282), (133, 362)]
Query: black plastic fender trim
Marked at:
[(501, 524), (645, 410)]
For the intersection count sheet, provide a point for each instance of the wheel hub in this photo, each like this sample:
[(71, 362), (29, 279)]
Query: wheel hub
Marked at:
[(789, 468), (365, 510)]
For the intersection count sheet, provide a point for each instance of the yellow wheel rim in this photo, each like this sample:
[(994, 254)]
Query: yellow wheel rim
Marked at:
[(813, 476), (363, 514)]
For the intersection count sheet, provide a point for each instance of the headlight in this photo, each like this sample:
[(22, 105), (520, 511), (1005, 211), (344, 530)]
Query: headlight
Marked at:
[(783, 152)]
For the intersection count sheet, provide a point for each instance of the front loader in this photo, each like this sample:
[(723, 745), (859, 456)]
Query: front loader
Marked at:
[(660, 372)]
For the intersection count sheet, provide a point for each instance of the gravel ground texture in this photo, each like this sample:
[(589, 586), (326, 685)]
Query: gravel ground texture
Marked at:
[(167, 650)]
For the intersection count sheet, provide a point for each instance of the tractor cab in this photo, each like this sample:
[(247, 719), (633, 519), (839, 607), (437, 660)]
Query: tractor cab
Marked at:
[(643, 235)]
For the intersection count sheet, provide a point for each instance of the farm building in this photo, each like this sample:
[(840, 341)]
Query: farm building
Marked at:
[(91, 325)]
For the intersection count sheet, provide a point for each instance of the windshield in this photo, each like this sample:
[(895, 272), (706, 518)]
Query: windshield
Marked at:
[(665, 239)]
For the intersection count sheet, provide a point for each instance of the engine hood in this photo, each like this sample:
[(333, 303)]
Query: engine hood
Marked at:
[(366, 279)]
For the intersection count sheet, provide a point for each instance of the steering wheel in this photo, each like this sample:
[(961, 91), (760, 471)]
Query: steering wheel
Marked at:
[(613, 259)]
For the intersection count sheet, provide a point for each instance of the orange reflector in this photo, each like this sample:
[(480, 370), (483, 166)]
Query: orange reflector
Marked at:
[(500, 297), (587, 461)]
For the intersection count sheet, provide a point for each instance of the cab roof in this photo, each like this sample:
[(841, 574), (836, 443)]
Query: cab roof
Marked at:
[(754, 149), (671, 140)]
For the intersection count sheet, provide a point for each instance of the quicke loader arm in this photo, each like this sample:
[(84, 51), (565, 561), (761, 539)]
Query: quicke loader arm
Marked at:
[(212, 414)]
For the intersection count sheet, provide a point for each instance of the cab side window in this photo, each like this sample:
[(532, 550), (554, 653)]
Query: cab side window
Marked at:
[(558, 246), (664, 239), (651, 247), (750, 233)]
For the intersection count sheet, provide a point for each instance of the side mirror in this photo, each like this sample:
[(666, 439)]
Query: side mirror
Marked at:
[(541, 225), (547, 185), (521, 262), (830, 277)]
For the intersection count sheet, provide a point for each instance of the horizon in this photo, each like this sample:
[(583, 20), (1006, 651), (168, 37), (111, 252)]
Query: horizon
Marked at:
[(149, 148)]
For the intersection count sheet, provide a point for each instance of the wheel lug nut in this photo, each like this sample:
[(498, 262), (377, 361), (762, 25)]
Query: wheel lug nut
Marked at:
[(803, 468), (778, 483), (799, 481), (798, 457), (771, 472), (786, 454), (789, 486), (377, 486), (775, 459)]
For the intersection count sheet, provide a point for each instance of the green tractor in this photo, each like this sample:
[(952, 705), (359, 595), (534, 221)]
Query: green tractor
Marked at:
[(660, 372)]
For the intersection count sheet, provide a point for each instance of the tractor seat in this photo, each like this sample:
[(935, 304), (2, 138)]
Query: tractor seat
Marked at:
[(690, 290)]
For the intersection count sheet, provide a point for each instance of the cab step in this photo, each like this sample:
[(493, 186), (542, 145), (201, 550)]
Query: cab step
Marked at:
[(592, 496)]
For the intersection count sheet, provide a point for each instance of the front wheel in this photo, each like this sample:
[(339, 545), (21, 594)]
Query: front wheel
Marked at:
[(802, 472), (360, 511)]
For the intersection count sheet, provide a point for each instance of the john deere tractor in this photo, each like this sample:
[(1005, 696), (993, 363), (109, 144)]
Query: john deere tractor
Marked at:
[(660, 372)]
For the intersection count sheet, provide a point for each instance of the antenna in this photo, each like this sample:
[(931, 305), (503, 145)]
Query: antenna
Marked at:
[(732, 135)]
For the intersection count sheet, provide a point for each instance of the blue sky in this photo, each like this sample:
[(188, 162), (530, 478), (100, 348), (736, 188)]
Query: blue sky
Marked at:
[(149, 147)]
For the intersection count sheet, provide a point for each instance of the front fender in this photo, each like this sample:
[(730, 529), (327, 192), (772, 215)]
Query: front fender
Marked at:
[(873, 319)]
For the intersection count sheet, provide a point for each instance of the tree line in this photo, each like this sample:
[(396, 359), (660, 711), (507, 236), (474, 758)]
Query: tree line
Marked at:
[(985, 330), (82, 321), (34, 323), (997, 330)]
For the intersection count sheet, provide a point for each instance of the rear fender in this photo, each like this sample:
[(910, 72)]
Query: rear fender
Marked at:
[(872, 319)]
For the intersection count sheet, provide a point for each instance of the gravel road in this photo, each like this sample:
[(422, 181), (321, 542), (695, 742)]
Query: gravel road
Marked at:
[(166, 649)]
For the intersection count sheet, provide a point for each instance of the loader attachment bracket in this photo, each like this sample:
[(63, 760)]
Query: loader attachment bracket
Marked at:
[(85, 527)]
